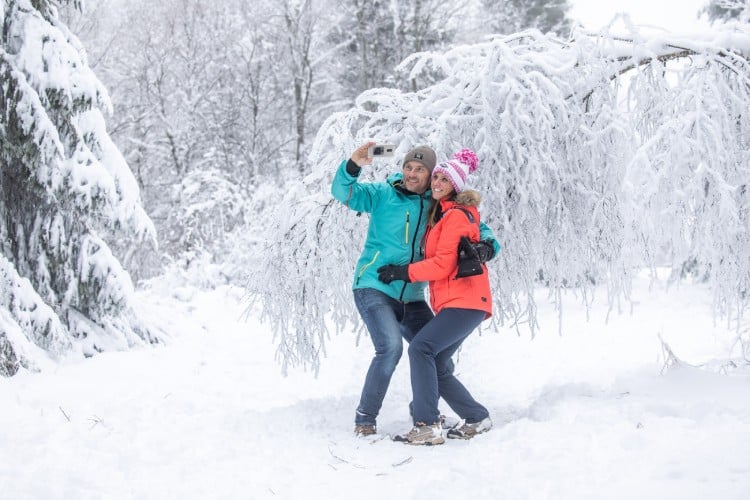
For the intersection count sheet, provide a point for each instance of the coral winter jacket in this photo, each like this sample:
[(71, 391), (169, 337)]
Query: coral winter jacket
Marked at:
[(440, 264)]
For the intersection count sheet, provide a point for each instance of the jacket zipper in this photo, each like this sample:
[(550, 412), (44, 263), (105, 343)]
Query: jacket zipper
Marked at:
[(406, 232), (419, 221), (413, 241)]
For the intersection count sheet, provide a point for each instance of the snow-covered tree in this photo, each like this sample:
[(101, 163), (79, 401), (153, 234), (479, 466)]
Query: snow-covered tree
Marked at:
[(372, 37), (65, 191), (234, 91), (186, 80), (210, 93), (726, 10), (585, 179), (299, 34), (512, 16)]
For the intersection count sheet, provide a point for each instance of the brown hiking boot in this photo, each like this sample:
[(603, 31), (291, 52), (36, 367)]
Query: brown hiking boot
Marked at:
[(468, 431), (364, 430), (423, 434)]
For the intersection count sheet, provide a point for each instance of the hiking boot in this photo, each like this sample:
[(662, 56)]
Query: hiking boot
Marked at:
[(445, 421), (423, 434), (449, 422), (362, 430), (468, 431)]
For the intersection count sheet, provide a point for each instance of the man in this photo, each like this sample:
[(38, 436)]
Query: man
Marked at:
[(398, 214)]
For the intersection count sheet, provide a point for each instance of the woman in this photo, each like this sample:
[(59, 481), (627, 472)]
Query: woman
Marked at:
[(460, 305)]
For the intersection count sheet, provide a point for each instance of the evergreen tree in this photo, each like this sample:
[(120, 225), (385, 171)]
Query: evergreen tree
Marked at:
[(64, 191)]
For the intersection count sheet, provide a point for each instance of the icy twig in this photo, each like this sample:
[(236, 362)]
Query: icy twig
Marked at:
[(343, 460), (64, 414), (405, 461), (94, 421), (670, 360)]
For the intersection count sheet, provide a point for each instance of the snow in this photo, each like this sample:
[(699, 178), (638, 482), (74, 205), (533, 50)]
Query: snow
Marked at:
[(597, 412), (23, 314)]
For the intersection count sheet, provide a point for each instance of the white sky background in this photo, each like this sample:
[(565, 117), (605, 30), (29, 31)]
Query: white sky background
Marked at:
[(677, 16)]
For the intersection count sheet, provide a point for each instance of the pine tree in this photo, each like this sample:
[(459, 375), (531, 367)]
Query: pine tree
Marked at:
[(64, 191)]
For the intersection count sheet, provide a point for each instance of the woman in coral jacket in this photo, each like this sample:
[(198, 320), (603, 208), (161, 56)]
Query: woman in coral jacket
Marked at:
[(460, 305)]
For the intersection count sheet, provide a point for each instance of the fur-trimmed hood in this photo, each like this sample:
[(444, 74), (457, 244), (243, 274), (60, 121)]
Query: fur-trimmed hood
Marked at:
[(469, 198)]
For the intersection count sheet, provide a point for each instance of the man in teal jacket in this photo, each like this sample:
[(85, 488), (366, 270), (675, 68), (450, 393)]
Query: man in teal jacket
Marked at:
[(398, 220)]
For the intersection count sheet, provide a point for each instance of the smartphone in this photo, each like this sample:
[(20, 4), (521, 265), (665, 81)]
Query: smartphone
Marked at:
[(381, 150)]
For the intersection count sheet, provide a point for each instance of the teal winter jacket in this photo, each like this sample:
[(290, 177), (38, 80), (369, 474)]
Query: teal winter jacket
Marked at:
[(398, 220)]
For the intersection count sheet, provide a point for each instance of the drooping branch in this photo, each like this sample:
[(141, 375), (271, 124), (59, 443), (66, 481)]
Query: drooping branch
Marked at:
[(578, 195), (666, 53), (631, 65)]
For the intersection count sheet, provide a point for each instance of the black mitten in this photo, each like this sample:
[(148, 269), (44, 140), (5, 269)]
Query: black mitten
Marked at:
[(390, 272), (485, 250), (468, 259)]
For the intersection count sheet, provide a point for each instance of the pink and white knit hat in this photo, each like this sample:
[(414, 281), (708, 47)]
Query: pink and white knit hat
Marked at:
[(458, 169)]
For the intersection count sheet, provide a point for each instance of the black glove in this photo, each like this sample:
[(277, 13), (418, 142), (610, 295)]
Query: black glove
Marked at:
[(468, 259), (389, 273), (485, 249)]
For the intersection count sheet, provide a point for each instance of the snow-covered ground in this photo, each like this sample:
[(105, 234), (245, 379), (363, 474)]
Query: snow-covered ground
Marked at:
[(585, 415)]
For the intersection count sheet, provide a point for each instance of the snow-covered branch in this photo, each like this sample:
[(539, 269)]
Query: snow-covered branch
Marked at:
[(64, 191), (647, 165)]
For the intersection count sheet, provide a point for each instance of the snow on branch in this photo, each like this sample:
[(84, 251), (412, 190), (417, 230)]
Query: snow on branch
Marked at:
[(598, 156), (304, 284), (65, 191), (29, 327)]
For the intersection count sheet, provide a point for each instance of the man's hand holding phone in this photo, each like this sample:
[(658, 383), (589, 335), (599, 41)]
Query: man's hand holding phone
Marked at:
[(360, 156), (368, 151)]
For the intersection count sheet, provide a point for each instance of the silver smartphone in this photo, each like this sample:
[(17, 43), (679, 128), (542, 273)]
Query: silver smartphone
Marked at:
[(381, 150)]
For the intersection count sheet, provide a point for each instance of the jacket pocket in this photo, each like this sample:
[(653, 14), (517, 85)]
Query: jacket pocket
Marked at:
[(365, 267)]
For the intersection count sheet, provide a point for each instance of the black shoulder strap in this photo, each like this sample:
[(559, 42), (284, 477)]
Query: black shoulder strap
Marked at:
[(468, 214)]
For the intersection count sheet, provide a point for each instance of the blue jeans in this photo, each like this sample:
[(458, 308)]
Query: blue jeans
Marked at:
[(388, 322), (431, 367)]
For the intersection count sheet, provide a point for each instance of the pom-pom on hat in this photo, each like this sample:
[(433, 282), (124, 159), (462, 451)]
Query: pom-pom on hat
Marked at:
[(458, 169)]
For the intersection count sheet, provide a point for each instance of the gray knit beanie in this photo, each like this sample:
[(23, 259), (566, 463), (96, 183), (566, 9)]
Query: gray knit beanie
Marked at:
[(422, 154)]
